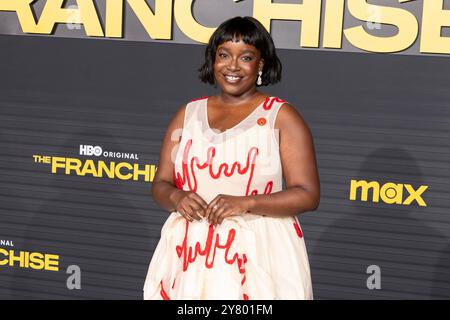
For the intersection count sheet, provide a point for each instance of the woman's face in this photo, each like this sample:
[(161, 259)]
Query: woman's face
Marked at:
[(236, 66)]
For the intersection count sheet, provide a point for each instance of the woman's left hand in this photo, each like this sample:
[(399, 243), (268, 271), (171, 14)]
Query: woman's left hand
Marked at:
[(223, 206)]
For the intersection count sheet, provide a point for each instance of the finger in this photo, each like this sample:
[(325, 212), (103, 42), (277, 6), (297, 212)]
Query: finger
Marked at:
[(221, 218), (187, 214), (224, 209), (196, 209), (188, 217), (220, 206), (200, 201), (196, 215), (212, 212), (217, 214), (224, 214), (193, 209), (213, 201), (210, 209)]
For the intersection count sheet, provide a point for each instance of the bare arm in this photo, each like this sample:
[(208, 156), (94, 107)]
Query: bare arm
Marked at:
[(300, 173), (299, 165), (164, 192)]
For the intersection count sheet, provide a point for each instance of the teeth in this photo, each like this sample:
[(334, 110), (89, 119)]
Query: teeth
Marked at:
[(232, 78)]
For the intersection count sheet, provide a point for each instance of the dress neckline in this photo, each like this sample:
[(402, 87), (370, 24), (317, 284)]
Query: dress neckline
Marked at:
[(235, 126)]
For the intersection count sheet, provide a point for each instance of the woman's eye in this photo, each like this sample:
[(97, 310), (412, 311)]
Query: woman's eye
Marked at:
[(247, 58), (222, 55)]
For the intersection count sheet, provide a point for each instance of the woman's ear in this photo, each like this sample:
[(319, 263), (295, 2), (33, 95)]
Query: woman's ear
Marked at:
[(261, 64)]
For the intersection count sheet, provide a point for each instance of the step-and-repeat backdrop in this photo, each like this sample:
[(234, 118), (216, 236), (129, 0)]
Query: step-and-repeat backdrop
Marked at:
[(88, 87)]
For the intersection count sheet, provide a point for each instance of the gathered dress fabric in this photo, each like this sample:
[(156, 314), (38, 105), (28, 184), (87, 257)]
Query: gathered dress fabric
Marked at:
[(248, 256)]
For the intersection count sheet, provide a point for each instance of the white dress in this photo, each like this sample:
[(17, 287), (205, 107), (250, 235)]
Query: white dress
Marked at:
[(247, 256)]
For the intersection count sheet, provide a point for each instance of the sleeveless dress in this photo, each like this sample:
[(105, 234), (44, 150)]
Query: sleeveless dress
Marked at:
[(248, 256)]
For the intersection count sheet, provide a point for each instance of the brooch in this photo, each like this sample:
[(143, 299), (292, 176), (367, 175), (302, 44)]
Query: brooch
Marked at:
[(261, 121)]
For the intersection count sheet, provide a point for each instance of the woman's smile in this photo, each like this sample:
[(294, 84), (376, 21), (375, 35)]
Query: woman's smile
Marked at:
[(232, 79)]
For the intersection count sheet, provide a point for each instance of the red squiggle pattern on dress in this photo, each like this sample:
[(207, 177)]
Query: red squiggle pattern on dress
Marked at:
[(188, 168), (297, 228), (268, 103), (189, 253), (267, 189), (163, 292)]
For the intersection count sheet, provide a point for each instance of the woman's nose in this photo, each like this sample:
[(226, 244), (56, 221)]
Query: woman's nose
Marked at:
[(234, 64)]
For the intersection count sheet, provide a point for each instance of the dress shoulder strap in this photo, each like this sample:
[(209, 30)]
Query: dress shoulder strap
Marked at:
[(192, 112), (271, 107)]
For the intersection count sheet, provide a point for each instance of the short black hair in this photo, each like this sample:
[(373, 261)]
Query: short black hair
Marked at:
[(253, 33)]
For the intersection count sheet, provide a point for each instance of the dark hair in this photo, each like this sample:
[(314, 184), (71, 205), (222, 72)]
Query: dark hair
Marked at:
[(253, 33)]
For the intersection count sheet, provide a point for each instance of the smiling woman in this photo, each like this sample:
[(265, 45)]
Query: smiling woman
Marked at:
[(233, 231)]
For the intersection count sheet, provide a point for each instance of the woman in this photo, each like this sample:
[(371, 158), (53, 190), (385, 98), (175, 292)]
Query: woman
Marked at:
[(232, 232)]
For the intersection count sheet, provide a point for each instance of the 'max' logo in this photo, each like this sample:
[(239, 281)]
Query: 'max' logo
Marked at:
[(391, 193)]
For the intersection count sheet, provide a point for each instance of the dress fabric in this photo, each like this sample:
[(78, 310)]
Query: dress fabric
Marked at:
[(248, 256)]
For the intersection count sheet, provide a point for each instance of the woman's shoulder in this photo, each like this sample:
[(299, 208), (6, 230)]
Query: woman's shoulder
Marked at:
[(288, 116), (182, 109), (180, 115)]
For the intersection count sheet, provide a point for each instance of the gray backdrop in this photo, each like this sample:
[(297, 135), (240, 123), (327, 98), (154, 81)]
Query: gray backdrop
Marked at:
[(373, 117)]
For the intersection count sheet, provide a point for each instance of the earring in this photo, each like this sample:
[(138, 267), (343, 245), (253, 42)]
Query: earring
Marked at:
[(259, 81)]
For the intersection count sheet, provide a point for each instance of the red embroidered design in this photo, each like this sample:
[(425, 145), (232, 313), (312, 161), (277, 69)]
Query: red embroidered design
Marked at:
[(164, 294), (268, 103), (245, 297), (188, 167), (267, 189), (176, 181), (190, 253), (241, 266), (261, 121), (297, 228)]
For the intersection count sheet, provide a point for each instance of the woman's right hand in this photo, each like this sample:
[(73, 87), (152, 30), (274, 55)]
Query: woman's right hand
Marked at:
[(189, 204)]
